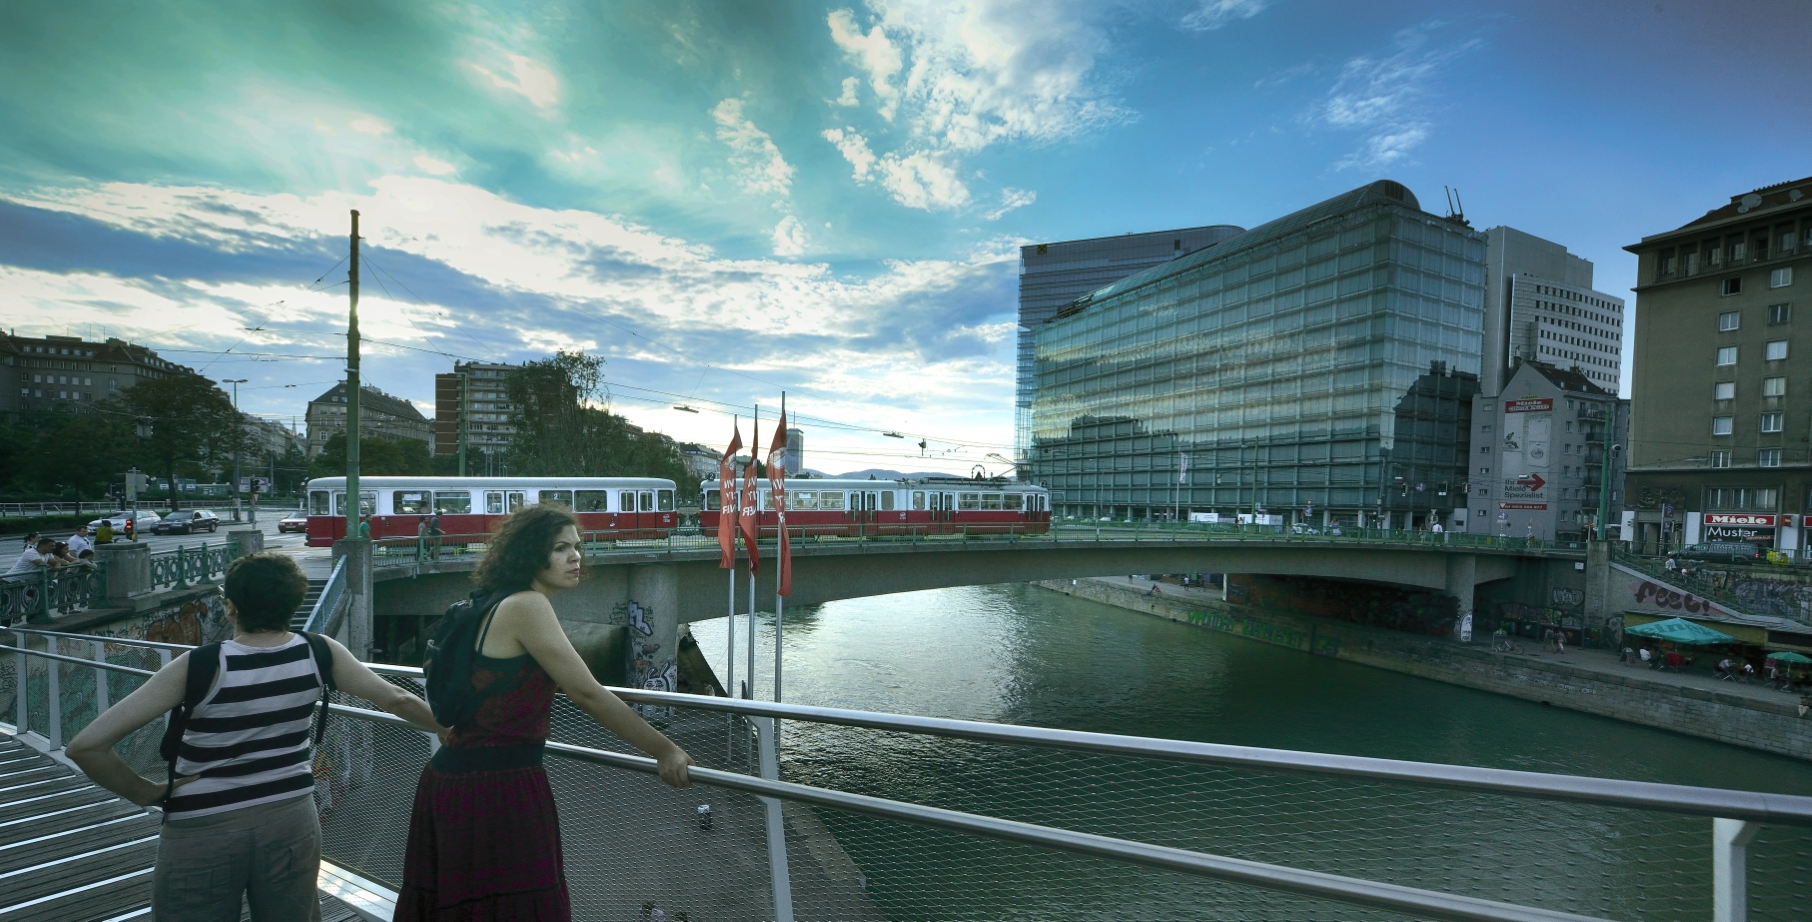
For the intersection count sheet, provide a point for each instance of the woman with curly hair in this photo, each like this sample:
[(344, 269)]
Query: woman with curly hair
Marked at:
[(484, 841)]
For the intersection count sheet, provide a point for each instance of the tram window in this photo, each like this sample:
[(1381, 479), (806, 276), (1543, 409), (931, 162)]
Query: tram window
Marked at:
[(887, 500), (626, 502), (990, 501), (711, 500), (666, 498), (367, 503), (514, 498), (1013, 501), (591, 501), (317, 503), (493, 502), (968, 501), (646, 501), (410, 502), (830, 499), (918, 500), (458, 502), (803, 499), (563, 497)]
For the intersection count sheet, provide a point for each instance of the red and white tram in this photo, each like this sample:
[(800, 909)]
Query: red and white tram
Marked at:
[(860, 508), (621, 507)]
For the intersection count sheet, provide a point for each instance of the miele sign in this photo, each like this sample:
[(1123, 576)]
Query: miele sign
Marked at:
[(1753, 521)]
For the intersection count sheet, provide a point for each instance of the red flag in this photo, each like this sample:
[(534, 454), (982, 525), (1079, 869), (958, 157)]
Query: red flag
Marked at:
[(726, 498), (751, 507), (777, 481)]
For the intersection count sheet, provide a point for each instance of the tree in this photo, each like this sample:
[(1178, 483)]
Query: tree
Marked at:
[(65, 451), (193, 425), (560, 433), (378, 456)]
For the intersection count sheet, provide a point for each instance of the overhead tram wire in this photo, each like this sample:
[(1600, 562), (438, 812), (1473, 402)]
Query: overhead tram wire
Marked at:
[(825, 423), (418, 299)]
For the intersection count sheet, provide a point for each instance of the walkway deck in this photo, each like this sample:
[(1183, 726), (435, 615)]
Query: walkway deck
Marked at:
[(72, 852)]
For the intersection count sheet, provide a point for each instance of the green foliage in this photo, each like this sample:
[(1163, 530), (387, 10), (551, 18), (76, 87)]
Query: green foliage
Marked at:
[(560, 433), (195, 429), (57, 526), (378, 456), (61, 453)]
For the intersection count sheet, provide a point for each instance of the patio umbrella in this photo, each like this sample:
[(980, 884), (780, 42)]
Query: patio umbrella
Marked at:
[(1680, 630), (1787, 657)]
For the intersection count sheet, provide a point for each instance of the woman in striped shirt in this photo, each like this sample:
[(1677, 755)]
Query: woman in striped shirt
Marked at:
[(240, 818)]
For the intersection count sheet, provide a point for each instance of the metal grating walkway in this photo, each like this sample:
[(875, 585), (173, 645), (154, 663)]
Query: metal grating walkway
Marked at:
[(72, 852)]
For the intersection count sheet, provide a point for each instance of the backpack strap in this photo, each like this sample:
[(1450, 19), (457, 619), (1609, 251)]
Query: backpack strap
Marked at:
[(204, 668), (323, 654)]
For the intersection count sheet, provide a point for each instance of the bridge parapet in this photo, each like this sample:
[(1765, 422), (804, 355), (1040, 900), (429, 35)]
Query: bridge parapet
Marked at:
[(1005, 820)]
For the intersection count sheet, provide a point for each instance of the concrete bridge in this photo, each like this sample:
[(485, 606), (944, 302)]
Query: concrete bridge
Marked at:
[(641, 594)]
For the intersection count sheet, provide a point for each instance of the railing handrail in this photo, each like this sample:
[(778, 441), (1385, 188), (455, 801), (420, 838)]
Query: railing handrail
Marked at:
[(328, 603), (1429, 904), (155, 644), (1781, 809)]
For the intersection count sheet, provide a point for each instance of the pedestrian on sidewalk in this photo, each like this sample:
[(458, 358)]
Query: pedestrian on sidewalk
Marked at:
[(421, 538), (434, 533), (79, 541), (1647, 658), (104, 534), (39, 555), (239, 808)]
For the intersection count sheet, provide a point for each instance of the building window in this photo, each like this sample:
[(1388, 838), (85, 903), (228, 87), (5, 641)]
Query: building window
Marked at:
[(1768, 457), (1780, 278), (1729, 320), (1727, 355), (1720, 457), (1771, 422), (1777, 351), (1737, 254), (1484, 449), (1774, 387), (1779, 314), (1732, 286), (1723, 390), (1720, 425)]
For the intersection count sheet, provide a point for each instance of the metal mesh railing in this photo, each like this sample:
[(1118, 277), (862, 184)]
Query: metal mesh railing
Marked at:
[(891, 817)]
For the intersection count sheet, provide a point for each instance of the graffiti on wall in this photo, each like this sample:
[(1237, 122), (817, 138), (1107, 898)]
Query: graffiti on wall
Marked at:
[(1659, 596), (1774, 597), (647, 669), (195, 622), (1567, 598), (1282, 635)]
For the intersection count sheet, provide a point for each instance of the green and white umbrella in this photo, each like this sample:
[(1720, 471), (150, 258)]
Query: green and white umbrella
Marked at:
[(1680, 630), (1783, 656)]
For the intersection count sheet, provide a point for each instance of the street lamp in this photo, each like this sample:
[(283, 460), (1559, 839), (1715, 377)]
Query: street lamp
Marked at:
[(238, 436)]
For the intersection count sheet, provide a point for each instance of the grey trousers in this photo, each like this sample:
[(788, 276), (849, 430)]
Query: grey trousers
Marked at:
[(269, 854)]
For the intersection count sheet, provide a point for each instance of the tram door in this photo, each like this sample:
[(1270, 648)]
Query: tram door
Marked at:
[(948, 515), (502, 502)]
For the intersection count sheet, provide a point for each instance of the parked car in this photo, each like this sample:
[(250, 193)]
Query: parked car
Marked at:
[(144, 517), (1301, 529), (1725, 552), (186, 522), (295, 521)]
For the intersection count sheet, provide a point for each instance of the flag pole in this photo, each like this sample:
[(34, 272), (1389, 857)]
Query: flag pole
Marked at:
[(779, 602), (754, 453)]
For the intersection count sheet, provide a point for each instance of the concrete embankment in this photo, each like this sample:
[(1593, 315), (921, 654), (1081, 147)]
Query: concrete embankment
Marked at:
[(1741, 716)]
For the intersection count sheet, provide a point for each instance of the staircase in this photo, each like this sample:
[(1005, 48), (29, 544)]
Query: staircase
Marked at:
[(299, 620)]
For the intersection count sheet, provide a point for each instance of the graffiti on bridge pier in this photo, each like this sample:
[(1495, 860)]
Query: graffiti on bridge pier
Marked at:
[(1282, 635)]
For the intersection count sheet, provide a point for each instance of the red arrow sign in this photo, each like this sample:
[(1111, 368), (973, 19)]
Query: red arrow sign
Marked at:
[(1533, 481)]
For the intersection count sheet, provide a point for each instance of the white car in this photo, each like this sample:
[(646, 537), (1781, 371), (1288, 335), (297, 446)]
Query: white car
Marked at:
[(145, 519)]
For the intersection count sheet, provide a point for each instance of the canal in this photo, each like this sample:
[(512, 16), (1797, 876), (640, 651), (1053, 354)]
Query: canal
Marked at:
[(1023, 655)]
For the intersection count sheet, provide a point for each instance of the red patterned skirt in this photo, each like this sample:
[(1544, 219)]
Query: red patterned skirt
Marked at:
[(484, 847)]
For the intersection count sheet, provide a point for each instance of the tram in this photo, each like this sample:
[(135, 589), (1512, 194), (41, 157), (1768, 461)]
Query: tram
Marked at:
[(862, 508), (622, 507)]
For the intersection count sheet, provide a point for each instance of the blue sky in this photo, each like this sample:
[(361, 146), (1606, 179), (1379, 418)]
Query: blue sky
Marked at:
[(730, 199)]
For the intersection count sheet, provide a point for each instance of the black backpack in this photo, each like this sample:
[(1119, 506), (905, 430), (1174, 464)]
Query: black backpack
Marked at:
[(447, 661), (204, 665)]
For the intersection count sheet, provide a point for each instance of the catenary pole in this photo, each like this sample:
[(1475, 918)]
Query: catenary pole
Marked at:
[(352, 389), (723, 500), (1604, 475), (462, 420), (779, 602)]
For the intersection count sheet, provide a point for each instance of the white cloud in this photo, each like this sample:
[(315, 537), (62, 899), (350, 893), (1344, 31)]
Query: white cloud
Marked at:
[(849, 98), (923, 180), (854, 148), (1011, 198), (368, 125), (873, 52), (975, 73), (758, 164), (789, 237), (1213, 14), (436, 166), (528, 78), (1387, 98)]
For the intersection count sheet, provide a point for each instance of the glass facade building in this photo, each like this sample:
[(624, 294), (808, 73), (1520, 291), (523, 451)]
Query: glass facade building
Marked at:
[(1320, 367), (1051, 275)]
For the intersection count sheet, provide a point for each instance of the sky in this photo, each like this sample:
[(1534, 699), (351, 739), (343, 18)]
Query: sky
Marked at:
[(730, 200)]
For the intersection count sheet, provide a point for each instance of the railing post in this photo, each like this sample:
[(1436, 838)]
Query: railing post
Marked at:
[(23, 683), (53, 695), (778, 875), (100, 678), (1729, 868), (181, 570)]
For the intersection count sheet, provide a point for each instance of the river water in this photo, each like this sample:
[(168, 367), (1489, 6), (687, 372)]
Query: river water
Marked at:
[(1024, 655)]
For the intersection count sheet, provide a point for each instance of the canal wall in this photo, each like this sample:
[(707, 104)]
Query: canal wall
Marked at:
[(1728, 717)]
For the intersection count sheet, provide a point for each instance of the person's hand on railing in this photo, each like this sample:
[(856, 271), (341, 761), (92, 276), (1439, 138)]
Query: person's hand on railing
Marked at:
[(672, 765)]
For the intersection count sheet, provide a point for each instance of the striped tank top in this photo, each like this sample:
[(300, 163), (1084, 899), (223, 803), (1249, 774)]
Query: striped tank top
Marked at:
[(248, 739)]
